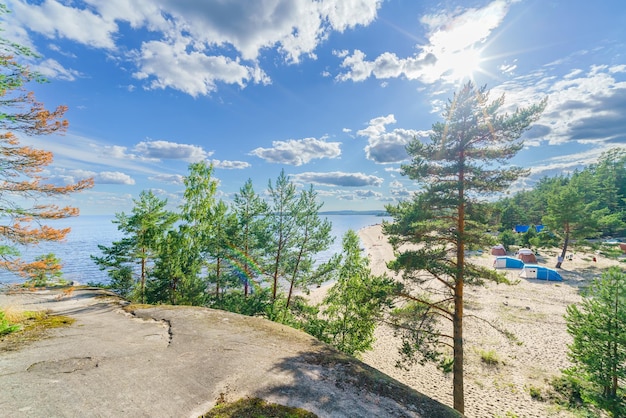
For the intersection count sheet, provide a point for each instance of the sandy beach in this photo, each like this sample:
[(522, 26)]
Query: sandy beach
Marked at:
[(531, 309)]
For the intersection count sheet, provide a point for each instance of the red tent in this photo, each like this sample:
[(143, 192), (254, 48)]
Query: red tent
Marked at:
[(498, 250), (527, 256)]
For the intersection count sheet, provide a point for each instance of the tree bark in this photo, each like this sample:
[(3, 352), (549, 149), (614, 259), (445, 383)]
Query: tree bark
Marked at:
[(458, 385), (564, 251), (143, 276), (458, 391)]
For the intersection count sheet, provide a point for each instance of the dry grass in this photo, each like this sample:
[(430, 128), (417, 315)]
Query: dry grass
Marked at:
[(13, 314), (34, 326)]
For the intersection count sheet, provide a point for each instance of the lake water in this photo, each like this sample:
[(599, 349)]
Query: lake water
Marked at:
[(89, 231)]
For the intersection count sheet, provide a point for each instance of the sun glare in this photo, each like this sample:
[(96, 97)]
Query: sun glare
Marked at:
[(462, 65)]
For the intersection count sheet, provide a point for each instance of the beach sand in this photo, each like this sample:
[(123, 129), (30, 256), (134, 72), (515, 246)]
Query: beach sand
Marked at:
[(531, 309)]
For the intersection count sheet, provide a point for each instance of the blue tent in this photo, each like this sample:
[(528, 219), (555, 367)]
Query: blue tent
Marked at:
[(520, 229), (531, 271), (508, 263)]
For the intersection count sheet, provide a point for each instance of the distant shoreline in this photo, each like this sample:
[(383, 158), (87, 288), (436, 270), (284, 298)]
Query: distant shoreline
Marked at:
[(380, 213)]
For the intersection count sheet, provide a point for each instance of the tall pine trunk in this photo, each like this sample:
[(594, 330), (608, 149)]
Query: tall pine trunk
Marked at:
[(564, 250), (143, 275), (458, 392)]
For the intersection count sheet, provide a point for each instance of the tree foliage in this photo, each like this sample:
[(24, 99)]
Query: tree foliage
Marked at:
[(455, 169), (241, 257), (252, 231), (134, 254), (23, 187), (597, 193), (598, 328), (573, 209), (282, 227), (354, 304), (569, 217)]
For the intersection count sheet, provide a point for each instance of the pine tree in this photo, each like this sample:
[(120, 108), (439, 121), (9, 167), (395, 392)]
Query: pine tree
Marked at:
[(353, 305), (570, 217), (457, 167), (144, 229), (23, 188), (598, 328), (282, 228), (219, 243), (312, 237), (252, 232), (175, 278), (198, 210)]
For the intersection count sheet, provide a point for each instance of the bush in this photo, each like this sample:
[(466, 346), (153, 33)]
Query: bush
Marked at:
[(489, 357), (568, 390), (257, 303), (535, 393)]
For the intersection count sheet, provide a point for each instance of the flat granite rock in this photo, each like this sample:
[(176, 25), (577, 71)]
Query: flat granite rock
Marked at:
[(166, 361)]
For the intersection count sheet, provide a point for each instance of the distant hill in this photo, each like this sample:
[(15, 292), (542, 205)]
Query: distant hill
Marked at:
[(356, 212)]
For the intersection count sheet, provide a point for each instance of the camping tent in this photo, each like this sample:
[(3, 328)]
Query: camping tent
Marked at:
[(498, 250), (527, 256), (531, 271), (521, 229), (508, 263)]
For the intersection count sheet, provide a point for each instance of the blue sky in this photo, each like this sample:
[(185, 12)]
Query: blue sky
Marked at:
[(329, 91)]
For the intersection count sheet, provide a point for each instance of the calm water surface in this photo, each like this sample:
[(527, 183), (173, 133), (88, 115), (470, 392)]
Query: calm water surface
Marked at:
[(89, 231)]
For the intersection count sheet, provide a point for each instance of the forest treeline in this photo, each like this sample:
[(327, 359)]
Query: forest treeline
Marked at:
[(254, 256), (599, 191), (585, 204)]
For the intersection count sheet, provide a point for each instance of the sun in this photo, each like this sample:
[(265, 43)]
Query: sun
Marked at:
[(461, 65), (465, 64)]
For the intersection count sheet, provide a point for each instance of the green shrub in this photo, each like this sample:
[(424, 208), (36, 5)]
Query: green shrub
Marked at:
[(489, 357), (535, 393)]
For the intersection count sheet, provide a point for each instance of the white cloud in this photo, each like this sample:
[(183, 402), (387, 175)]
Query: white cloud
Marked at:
[(61, 176), (189, 37), (451, 49), (168, 178), (585, 106), (387, 147), (456, 31), (347, 14), (507, 68), (377, 126), (57, 49), (50, 68), (298, 152), (338, 178), (230, 165), (113, 177), (367, 194), (172, 65), (56, 20), (165, 150)]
